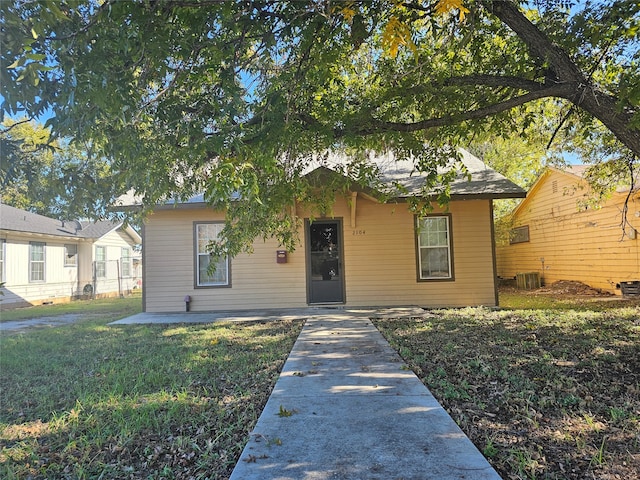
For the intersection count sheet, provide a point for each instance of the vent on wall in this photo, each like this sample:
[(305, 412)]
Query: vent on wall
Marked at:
[(554, 186)]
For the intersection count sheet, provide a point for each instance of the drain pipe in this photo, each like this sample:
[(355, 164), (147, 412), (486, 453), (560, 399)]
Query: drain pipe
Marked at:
[(187, 303)]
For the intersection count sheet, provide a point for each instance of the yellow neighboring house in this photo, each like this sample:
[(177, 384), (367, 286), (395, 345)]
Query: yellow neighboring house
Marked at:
[(556, 233), (362, 253)]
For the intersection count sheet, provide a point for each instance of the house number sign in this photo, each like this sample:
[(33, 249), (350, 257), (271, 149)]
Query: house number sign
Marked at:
[(358, 232)]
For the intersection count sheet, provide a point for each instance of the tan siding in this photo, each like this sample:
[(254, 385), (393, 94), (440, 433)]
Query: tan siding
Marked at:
[(170, 258), (579, 244), (379, 265)]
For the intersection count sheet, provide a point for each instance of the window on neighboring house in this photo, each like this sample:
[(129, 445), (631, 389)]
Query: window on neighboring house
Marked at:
[(101, 262), (205, 234), (70, 255), (2, 244), (519, 234), (434, 248), (125, 260), (36, 261)]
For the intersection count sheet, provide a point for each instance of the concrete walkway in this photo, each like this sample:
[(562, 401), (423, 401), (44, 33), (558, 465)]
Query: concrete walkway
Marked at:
[(51, 321), (347, 407)]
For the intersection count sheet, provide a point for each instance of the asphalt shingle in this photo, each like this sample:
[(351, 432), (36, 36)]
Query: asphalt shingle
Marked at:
[(15, 219)]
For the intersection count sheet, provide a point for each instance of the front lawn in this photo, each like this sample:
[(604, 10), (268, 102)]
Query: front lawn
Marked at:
[(549, 389), (543, 393), (89, 401), (109, 307)]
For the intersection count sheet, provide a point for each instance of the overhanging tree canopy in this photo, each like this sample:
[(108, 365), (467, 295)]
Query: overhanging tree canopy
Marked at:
[(234, 96)]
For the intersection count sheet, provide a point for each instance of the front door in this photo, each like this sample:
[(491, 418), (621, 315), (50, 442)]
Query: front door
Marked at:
[(325, 275)]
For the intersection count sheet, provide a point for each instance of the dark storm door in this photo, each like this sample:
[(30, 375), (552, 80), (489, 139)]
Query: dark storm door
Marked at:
[(325, 275)]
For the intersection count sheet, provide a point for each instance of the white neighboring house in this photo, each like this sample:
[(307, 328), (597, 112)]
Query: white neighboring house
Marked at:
[(46, 260)]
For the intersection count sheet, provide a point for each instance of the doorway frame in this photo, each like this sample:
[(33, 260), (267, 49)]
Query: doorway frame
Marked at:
[(308, 273)]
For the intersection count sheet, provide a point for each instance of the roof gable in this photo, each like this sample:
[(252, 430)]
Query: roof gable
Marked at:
[(576, 172), (483, 182)]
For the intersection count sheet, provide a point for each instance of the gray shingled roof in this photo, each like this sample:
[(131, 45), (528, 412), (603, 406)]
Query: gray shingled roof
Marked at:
[(18, 220), (484, 183)]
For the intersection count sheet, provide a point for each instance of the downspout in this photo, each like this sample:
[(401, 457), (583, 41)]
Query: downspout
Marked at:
[(94, 279), (143, 271), (493, 254), (119, 279)]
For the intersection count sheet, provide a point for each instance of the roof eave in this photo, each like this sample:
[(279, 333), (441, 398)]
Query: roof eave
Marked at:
[(42, 235), (468, 196)]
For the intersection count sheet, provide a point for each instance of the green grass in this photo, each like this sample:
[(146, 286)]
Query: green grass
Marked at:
[(521, 301), (546, 393), (89, 401), (547, 388), (109, 306)]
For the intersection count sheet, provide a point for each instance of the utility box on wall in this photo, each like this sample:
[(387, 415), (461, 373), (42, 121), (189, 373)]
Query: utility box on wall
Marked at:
[(281, 256)]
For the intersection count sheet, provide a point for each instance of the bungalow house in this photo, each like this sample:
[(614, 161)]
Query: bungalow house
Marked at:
[(364, 253), (45, 260), (558, 235)]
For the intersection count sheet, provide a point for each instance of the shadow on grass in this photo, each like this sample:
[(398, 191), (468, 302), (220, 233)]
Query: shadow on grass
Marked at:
[(544, 394), (90, 400)]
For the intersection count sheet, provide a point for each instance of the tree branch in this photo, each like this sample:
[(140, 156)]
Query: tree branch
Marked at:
[(96, 16), (586, 94), (376, 126), (495, 81), (7, 129), (538, 43)]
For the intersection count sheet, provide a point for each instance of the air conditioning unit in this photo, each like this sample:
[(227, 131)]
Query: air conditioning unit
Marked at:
[(630, 289), (527, 280)]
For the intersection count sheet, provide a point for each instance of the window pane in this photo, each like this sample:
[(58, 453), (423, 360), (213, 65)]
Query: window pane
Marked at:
[(219, 276), (36, 262), (37, 252), (37, 272), (101, 264), (125, 259), (433, 247), (435, 262), (2, 244), (203, 238), (70, 255), (519, 234), (206, 233)]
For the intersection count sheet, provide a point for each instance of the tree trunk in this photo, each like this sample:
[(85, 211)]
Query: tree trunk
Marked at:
[(586, 95)]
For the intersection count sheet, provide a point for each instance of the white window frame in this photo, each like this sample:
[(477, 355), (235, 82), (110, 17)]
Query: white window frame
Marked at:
[(434, 241), (101, 272), (204, 233), (70, 260), (125, 261), (32, 262), (3, 242)]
